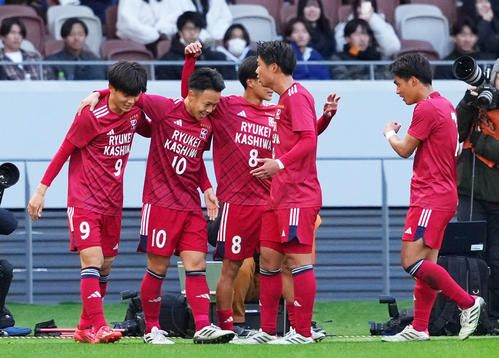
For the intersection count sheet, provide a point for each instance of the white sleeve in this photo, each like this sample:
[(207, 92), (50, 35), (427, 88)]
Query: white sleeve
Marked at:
[(339, 36), (168, 13), (218, 20), (130, 25), (385, 36)]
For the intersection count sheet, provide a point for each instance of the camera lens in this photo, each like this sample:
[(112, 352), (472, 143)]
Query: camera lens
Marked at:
[(485, 98), (466, 69)]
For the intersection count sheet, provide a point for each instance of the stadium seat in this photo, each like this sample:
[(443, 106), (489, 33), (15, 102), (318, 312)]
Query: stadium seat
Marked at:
[(387, 8), (424, 22), (56, 11), (56, 18), (35, 27), (125, 50), (418, 46), (288, 11), (448, 7), (111, 19), (257, 20), (162, 48), (53, 46), (273, 7)]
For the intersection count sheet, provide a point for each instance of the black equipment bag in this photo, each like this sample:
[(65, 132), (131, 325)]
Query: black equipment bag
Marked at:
[(175, 317), (472, 274)]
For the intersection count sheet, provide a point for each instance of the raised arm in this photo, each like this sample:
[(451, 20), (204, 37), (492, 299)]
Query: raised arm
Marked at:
[(192, 52)]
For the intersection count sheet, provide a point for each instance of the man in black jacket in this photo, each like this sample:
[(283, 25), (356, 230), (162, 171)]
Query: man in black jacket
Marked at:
[(478, 176), (189, 26)]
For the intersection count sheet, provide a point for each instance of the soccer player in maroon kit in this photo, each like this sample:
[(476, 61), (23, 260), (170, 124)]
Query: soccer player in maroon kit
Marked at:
[(295, 200), (98, 144), (242, 129), (433, 199)]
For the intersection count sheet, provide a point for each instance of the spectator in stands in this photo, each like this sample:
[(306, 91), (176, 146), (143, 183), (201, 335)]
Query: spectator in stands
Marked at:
[(298, 34), (12, 32), (312, 11), (465, 36), (216, 14), (360, 45), (146, 21), (236, 47), (384, 34), (487, 23), (189, 26), (74, 32)]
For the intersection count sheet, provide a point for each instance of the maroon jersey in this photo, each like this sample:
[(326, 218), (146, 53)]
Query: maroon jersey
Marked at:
[(178, 141), (242, 133), (103, 140), (434, 179), (296, 186)]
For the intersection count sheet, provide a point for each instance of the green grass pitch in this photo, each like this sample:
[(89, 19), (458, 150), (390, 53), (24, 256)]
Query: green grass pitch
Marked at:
[(346, 321)]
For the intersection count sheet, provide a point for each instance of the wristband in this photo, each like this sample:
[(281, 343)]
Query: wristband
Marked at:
[(390, 134), (279, 163)]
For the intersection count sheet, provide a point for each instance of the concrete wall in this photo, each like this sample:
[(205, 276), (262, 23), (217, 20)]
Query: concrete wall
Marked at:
[(36, 116)]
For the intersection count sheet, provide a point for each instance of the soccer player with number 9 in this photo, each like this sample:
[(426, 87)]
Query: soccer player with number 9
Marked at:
[(98, 144)]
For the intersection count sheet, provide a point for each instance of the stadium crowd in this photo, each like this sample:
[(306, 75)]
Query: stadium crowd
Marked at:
[(148, 30)]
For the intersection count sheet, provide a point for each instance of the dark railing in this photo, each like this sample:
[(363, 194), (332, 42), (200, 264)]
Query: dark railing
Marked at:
[(151, 65)]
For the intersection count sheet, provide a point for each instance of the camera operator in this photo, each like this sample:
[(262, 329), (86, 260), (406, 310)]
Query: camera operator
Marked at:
[(478, 170), (8, 224)]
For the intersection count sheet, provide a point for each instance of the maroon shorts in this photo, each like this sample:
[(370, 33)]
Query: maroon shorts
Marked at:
[(89, 229), (165, 232), (426, 224), (239, 232), (289, 231)]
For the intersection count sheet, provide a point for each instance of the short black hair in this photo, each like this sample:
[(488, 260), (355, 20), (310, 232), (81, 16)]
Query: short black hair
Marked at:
[(352, 26), (289, 26), (206, 79), (247, 70), (277, 52), (191, 16), (9, 22), (461, 23), (412, 64), (128, 77), (231, 28), (67, 26)]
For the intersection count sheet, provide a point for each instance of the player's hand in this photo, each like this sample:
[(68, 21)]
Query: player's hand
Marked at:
[(91, 100), (194, 49), (37, 202), (392, 126), (267, 170), (331, 105), (211, 201)]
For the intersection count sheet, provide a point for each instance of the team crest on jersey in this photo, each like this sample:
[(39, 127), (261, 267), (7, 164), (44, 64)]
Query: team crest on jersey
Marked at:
[(203, 133), (271, 122), (133, 123), (278, 113)]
